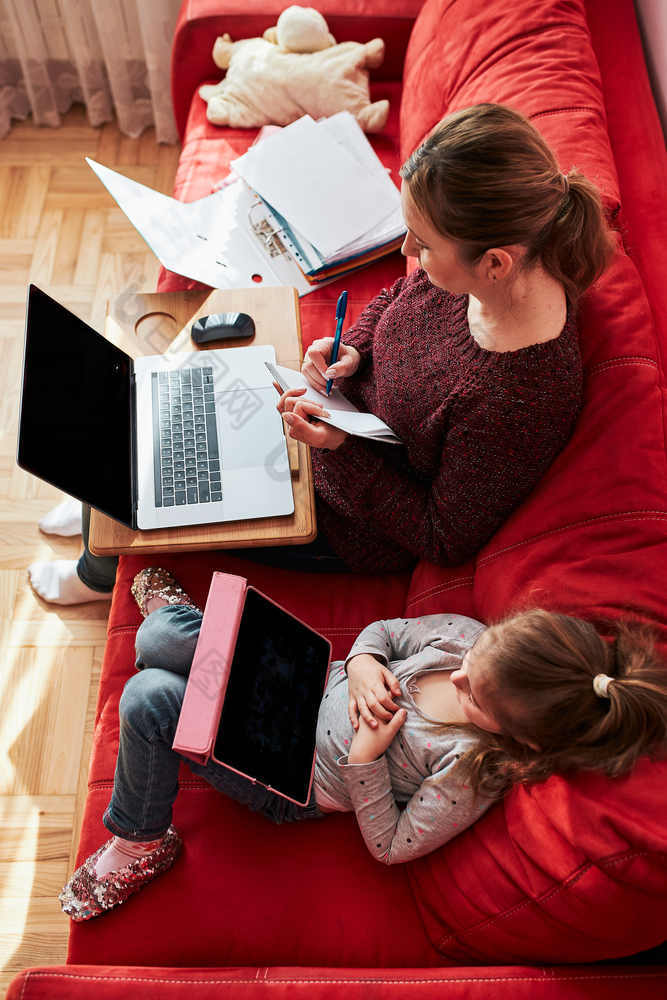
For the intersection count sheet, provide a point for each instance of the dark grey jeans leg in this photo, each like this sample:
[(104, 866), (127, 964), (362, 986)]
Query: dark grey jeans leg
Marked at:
[(97, 572)]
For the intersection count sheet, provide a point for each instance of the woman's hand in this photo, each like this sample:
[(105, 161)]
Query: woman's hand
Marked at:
[(315, 367), (371, 686), (369, 744), (300, 416)]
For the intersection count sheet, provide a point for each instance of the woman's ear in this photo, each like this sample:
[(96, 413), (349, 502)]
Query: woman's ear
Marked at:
[(498, 262)]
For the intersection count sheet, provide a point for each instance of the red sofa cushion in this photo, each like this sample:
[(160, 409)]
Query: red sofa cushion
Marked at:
[(536, 57), (523, 884), (565, 871)]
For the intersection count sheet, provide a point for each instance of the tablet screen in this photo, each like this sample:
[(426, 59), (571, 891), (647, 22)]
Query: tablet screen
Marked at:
[(269, 716)]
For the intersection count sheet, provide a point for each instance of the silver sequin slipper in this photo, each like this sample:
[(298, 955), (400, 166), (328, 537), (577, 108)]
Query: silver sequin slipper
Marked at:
[(88, 895)]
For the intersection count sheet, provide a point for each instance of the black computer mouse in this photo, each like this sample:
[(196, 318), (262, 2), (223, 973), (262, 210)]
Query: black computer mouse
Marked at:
[(222, 326)]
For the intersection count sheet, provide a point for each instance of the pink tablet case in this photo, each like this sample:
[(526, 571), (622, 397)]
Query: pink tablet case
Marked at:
[(209, 674)]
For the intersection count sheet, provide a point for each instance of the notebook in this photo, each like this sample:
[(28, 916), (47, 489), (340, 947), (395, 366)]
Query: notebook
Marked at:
[(344, 414), (254, 690), (156, 442)]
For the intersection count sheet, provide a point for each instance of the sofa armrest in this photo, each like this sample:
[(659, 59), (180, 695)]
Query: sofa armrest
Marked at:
[(201, 21), (577, 982)]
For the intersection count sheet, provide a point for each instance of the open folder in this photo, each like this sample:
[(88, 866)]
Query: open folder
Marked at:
[(344, 414), (224, 240)]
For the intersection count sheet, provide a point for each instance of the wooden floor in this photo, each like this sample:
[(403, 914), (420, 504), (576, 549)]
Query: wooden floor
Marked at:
[(61, 230)]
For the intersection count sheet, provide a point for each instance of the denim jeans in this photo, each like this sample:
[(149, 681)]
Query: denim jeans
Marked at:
[(146, 778)]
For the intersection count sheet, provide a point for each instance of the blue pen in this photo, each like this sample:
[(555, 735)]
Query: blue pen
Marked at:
[(341, 308)]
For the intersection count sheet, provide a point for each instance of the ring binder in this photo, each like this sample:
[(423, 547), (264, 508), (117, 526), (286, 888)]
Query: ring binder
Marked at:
[(268, 236)]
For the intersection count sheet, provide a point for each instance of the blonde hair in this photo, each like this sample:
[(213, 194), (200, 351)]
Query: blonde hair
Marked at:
[(544, 665), (486, 178)]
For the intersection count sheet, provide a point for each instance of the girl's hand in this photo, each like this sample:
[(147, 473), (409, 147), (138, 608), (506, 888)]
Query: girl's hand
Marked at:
[(369, 744), (371, 686), (300, 416), (315, 367)]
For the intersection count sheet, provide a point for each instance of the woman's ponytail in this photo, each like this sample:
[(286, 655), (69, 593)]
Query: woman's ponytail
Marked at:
[(577, 245)]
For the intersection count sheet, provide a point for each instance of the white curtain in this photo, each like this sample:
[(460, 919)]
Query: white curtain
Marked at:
[(113, 55)]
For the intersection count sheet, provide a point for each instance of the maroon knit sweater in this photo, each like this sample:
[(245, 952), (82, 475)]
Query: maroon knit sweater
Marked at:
[(479, 428)]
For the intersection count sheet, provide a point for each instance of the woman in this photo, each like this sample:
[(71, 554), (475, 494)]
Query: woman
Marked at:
[(472, 360)]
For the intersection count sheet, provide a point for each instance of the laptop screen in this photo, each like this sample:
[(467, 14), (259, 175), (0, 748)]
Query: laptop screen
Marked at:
[(75, 426), (276, 683)]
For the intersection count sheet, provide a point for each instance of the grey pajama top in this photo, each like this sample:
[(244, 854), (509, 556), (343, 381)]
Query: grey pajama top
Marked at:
[(421, 766)]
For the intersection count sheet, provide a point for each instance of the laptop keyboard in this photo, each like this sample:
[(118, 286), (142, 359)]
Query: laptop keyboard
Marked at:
[(186, 457)]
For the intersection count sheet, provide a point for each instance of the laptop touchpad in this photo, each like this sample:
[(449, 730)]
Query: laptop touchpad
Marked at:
[(249, 426)]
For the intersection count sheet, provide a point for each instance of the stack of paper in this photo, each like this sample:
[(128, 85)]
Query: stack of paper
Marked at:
[(327, 193)]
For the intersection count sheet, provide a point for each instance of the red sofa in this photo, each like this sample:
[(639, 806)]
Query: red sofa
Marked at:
[(560, 881)]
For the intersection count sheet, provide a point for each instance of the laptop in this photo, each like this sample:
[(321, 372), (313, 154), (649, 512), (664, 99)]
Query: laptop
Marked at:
[(254, 690), (156, 442)]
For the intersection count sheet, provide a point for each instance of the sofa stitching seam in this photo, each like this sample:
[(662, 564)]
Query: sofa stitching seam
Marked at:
[(377, 980), (554, 891), (619, 362), (630, 515), (566, 108), (337, 630), (441, 588)]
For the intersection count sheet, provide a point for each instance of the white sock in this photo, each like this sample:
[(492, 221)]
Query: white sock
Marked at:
[(121, 852), (65, 519), (58, 582)]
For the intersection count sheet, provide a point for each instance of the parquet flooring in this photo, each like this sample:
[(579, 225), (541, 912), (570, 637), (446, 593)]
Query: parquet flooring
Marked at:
[(61, 230)]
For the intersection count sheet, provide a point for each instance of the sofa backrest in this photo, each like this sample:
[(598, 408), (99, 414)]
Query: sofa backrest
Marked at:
[(536, 57), (532, 880)]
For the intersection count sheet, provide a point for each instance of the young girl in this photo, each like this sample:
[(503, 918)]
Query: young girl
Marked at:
[(473, 360), (438, 715)]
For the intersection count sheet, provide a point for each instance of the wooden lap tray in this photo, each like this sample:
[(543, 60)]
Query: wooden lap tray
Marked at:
[(154, 323)]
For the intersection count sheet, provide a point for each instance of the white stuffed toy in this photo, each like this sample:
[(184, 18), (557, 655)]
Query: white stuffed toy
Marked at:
[(295, 69)]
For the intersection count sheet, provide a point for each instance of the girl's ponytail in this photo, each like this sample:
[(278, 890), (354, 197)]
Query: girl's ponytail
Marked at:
[(585, 703), (635, 722)]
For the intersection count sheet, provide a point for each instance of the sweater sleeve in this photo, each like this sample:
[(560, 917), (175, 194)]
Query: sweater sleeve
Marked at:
[(441, 808), (395, 639), (360, 335), (494, 452)]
